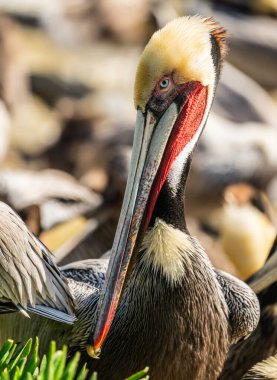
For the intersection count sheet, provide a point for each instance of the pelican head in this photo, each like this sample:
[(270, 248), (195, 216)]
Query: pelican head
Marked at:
[(174, 88)]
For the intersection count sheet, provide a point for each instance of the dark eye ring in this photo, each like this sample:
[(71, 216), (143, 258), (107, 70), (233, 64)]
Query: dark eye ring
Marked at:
[(164, 83)]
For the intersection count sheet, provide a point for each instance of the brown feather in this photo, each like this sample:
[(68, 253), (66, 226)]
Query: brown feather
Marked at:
[(220, 35)]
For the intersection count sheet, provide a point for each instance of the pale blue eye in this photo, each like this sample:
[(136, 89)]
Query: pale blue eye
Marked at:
[(164, 83)]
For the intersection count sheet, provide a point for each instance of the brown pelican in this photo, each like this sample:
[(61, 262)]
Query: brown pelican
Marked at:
[(163, 304), (263, 342)]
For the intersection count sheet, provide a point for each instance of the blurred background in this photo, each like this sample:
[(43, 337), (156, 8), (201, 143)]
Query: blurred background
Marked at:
[(67, 70)]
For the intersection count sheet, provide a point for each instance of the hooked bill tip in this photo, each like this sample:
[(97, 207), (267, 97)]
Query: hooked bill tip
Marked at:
[(93, 352)]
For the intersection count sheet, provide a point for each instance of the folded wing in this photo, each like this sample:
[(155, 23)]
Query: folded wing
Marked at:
[(30, 280)]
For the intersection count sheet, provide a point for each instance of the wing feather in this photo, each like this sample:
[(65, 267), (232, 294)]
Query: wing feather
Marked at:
[(91, 271), (29, 276)]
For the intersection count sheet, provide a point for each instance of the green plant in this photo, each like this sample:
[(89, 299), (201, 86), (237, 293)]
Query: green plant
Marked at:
[(22, 362)]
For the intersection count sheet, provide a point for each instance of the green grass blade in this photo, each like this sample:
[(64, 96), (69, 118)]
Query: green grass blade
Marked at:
[(23, 353), (20, 365), (5, 375), (18, 362), (94, 376), (16, 374), (6, 352), (138, 375), (6, 348), (11, 354), (42, 368), (28, 376), (60, 362), (49, 371), (83, 373), (71, 368), (33, 359)]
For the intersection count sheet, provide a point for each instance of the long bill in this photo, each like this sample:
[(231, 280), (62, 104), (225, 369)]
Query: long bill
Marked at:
[(157, 142)]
